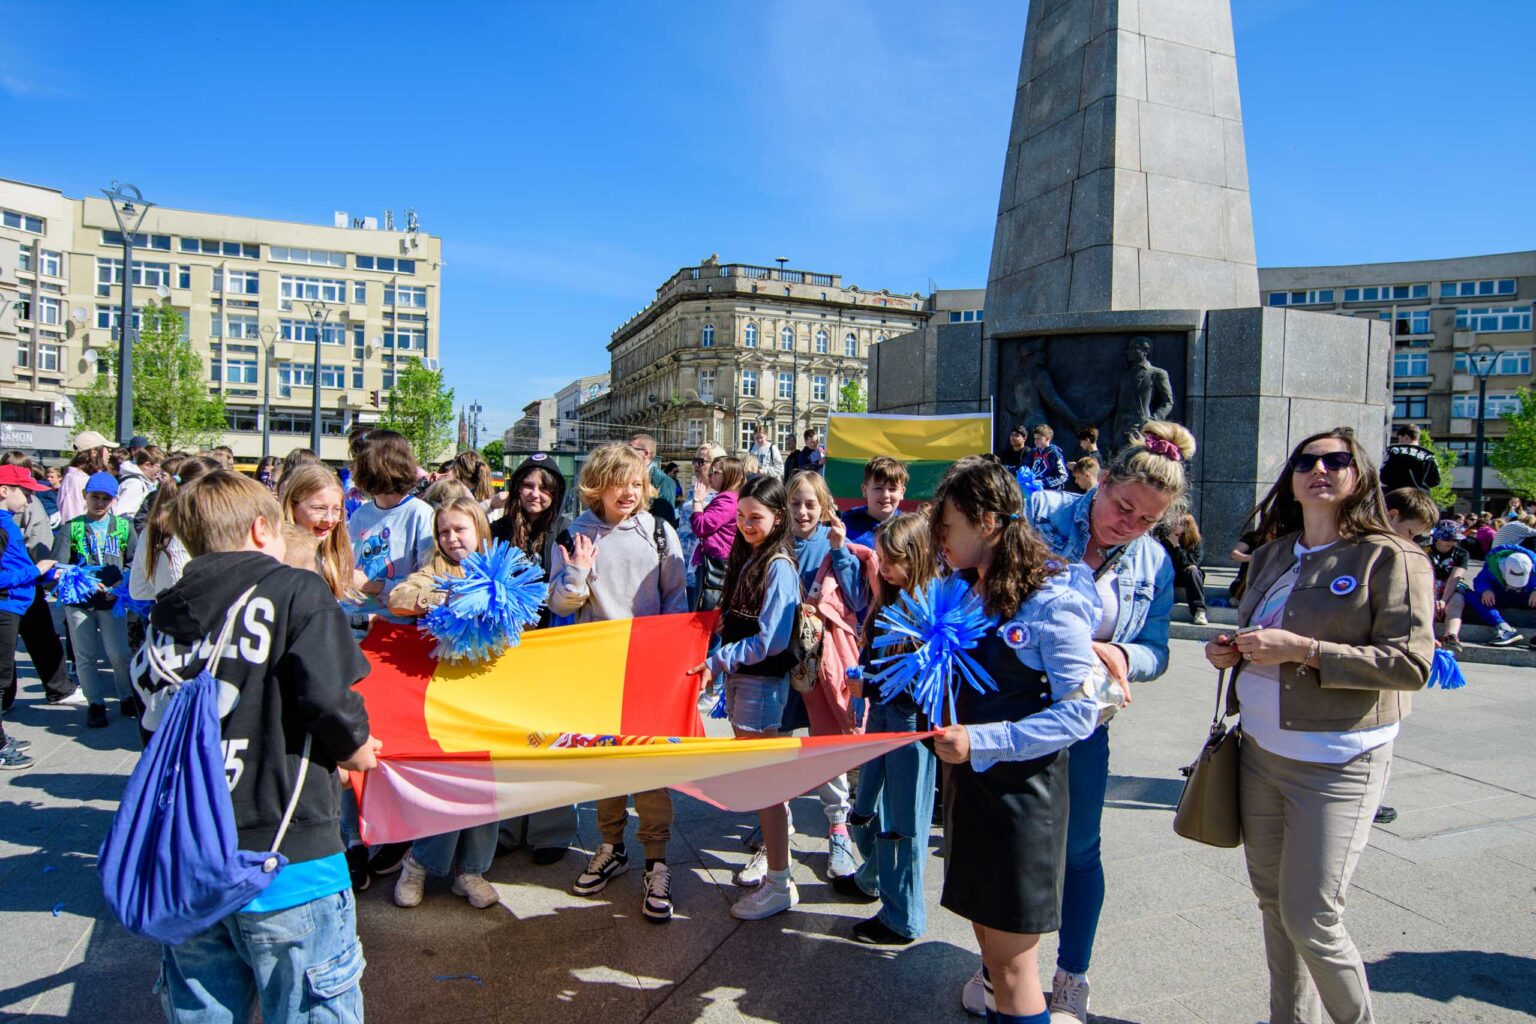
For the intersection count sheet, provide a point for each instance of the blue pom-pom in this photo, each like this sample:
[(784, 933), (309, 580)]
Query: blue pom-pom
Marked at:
[(126, 602), (487, 609), (1444, 672), (1028, 482), (76, 584), (718, 711), (946, 619)]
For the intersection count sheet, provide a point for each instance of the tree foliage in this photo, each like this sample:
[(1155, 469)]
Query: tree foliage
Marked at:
[(1514, 454), (421, 409), (171, 403), (1446, 458), (851, 397), (493, 453)]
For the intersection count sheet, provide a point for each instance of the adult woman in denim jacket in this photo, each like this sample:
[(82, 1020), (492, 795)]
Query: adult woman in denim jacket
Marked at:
[(1109, 526)]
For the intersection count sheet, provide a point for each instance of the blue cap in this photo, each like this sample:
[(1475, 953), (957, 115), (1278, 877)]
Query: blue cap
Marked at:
[(102, 483)]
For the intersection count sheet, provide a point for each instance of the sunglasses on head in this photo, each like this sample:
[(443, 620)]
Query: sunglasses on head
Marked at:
[(1332, 461)]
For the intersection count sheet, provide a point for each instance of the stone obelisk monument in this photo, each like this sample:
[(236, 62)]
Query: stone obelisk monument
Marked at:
[(1123, 279)]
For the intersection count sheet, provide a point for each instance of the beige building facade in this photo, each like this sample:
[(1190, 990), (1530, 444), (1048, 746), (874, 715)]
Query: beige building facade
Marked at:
[(727, 347), (242, 286)]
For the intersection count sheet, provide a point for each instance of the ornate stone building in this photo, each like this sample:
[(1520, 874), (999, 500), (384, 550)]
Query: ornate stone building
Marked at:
[(726, 347)]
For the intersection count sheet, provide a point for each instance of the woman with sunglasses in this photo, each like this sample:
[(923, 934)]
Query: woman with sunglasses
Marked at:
[(1335, 631)]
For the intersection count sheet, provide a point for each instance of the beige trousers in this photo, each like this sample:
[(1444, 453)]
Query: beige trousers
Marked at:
[(1304, 826), (654, 808)]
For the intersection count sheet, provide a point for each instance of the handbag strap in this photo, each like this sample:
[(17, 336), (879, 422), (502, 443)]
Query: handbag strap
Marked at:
[(1221, 700)]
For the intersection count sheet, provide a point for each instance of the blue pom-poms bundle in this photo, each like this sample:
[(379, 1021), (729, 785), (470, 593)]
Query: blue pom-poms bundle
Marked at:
[(499, 595), (1444, 672), (1028, 482), (946, 620), (76, 584), (126, 602)]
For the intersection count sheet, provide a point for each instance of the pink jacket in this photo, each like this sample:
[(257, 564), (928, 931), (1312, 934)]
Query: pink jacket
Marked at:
[(829, 705), (72, 494), (715, 527)]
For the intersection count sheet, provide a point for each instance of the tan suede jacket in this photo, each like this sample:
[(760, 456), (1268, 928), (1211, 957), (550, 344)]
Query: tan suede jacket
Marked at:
[(410, 595), (1368, 603)]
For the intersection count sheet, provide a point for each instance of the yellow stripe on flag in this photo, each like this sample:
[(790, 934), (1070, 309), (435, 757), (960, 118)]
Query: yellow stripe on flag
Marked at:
[(553, 681), (862, 436)]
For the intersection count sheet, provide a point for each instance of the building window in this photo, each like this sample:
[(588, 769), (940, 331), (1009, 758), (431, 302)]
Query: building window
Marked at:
[(786, 386), (109, 318), (1409, 321), (748, 383), (1464, 407), (310, 289), (695, 433), (1490, 319), (357, 378), (305, 330), (1464, 450), (27, 222), (297, 375), (851, 346), (787, 339), (1514, 362), (140, 241), (1386, 293), (748, 434), (51, 264), (749, 336), (403, 295), (819, 388), (706, 385), (237, 282), (23, 355), (388, 380), (234, 371), (236, 328), (183, 277), (1410, 364), (240, 250), (1411, 407), (242, 418), (965, 316), (387, 264), (1314, 297), (313, 257), (707, 336), (146, 275), (822, 342), (786, 432), (333, 376), (1474, 289), (49, 311), (406, 341), (359, 291)]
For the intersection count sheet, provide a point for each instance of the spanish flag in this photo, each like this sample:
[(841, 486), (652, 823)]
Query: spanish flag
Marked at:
[(927, 444), (569, 715)]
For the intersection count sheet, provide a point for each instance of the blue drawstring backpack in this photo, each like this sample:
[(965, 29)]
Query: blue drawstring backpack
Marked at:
[(169, 865)]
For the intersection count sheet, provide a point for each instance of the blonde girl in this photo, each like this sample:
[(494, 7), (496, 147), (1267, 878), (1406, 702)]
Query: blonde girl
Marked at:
[(311, 497)]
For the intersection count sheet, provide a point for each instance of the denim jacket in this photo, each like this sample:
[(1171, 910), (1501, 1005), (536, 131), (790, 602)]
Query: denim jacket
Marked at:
[(1145, 581)]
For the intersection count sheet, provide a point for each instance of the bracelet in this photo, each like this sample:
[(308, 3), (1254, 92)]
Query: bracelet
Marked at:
[(1314, 648)]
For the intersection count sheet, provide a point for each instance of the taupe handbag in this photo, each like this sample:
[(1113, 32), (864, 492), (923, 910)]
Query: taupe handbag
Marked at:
[(1208, 809)]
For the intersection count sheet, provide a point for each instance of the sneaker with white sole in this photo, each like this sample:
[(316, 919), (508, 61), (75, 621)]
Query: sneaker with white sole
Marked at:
[(840, 862), (76, 699), (606, 863), (765, 901), (1199, 618), (476, 889), (1505, 635), (411, 884), (1069, 998), (752, 874), (14, 759), (976, 994), (657, 905)]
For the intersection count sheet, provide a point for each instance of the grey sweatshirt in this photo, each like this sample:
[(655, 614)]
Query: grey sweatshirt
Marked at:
[(628, 578)]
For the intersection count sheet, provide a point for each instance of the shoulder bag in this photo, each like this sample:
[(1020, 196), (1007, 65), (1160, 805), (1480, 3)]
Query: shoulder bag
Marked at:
[(1208, 806)]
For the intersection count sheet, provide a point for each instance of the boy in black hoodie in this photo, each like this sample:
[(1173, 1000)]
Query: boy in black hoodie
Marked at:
[(287, 675)]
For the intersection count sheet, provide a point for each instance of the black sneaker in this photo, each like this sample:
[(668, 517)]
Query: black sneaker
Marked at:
[(875, 932), (96, 716), (129, 707), (386, 859), (847, 885), (657, 905), (357, 867), (544, 856), (13, 759), (607, 862), (1386, 815)]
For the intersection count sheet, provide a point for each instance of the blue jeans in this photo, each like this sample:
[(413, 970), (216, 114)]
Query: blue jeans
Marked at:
[(895, 807), (471, 849), (1082, 897), (304, 965)]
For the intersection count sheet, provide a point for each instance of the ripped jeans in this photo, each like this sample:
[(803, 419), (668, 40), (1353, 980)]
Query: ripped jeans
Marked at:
[(891, 820)]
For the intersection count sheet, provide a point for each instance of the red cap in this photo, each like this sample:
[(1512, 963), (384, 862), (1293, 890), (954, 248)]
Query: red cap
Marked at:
[(16, 476)]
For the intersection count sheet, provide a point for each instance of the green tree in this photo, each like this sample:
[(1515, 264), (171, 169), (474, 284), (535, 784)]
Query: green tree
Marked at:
[(493, 453), (421, 409), (851, 398), (1514, 454), (171, 403), (1446, 458)]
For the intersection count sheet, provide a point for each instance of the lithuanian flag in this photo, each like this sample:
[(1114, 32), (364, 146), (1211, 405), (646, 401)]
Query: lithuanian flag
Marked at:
[(927, 444), (569, 715)]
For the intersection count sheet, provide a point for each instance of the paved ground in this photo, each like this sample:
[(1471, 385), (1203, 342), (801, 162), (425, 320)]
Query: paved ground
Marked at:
[(1443, 903)]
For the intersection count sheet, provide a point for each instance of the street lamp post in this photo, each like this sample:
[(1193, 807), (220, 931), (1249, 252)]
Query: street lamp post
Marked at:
[(319, 313), (1483, 359), (268, 343), (129, 207)]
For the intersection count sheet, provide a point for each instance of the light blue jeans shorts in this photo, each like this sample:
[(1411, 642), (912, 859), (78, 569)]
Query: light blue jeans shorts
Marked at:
[(755, 703)]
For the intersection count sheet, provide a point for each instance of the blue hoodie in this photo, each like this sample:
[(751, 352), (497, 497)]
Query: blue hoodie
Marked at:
[(18, 573)]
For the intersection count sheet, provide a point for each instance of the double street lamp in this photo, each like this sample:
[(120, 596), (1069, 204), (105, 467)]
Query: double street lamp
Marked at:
[(1483, 359), (129, 207), (319, 312)]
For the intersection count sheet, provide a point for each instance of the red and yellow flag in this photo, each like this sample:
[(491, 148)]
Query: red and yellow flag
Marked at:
[(571, 714)]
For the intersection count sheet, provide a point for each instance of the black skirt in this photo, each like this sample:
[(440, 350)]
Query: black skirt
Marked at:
[(1005, 843)]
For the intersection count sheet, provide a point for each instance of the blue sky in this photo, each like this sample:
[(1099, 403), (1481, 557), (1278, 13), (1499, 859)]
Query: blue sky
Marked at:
[(573, 156)]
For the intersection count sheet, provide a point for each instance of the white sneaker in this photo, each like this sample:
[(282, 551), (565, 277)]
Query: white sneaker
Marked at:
[(1200, 618), (976, 994), (657, 905), (76, 699), (604, 865), (475, 888), (411, 883), (1069, 998), (754, 872), (765, 901)]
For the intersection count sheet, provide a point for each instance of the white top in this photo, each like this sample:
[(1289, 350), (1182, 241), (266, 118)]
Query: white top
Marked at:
[(146, 586), (1258, 695), (1108, 587), (769, 459), (1512, 534)]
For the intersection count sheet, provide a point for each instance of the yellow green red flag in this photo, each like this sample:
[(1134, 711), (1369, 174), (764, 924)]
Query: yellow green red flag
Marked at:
[(927, 444)]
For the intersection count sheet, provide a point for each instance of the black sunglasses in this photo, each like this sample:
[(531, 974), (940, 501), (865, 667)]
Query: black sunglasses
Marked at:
[(1303, 462)]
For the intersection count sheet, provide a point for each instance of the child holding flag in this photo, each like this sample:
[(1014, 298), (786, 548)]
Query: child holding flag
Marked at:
[(461, 529), (884, 486), (622, 563)]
